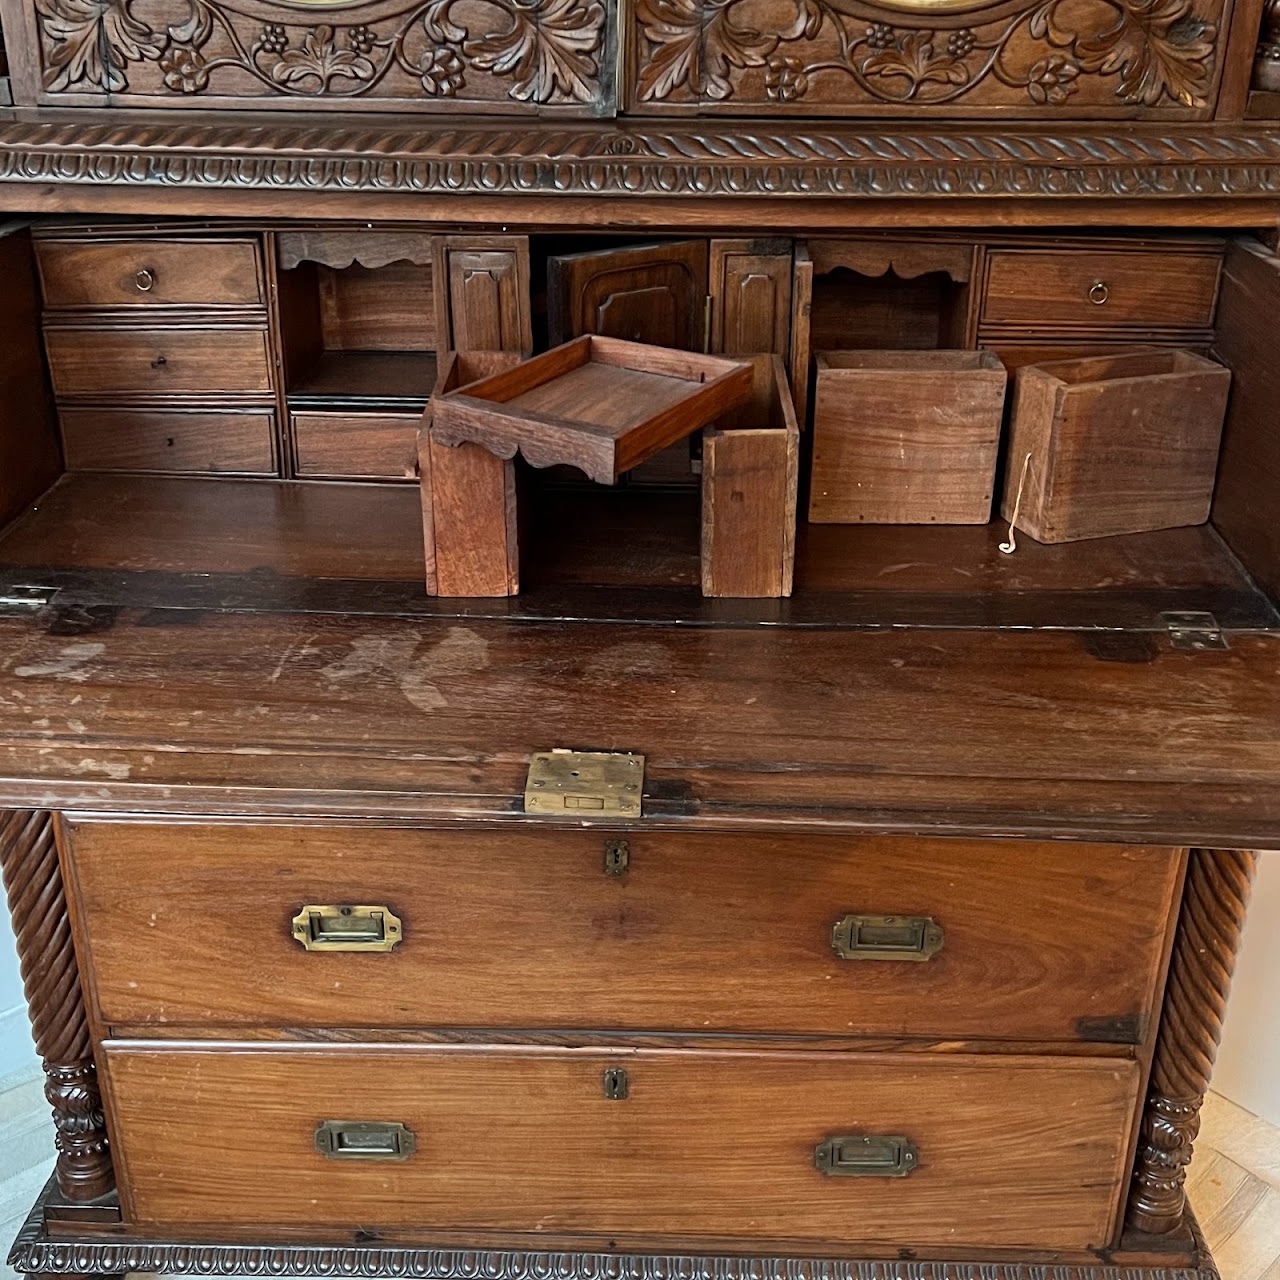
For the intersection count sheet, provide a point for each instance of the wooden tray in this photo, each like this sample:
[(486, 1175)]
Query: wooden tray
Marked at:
[(599, 404)]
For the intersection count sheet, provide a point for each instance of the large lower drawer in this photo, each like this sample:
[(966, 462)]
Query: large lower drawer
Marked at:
[(192, 925), (1007, 1151)]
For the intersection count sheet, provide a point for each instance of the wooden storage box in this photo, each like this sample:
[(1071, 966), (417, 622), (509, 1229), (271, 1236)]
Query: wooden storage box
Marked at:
[(750, 468), (905, 437), (1114, 444)]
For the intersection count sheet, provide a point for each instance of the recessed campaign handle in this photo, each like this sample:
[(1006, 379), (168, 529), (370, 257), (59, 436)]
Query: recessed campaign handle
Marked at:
[(862, 937), (866, 1157)]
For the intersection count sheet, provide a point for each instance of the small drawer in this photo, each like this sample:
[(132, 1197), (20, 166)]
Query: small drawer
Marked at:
[(891, 1149), (360, 446), (158, 361), (1101, 290), (206, 925), (196, 441), (89, 275)]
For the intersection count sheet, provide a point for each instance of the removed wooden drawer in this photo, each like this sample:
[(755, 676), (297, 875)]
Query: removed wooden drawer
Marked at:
[(150, 273), (1100, 290), (195, 925), (200, 441), (158, 361), (356, 446), (836, 1148)]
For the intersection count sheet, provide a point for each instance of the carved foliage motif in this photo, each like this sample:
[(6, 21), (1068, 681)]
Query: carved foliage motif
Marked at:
[(541, 52), (1142, 53)]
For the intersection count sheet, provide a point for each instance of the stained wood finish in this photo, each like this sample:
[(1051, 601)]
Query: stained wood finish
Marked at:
[(509, 59), (156, 361), (30, 458), (482, 293), (345, 722), (905, 437), (649, 293), (340, 249), (1204, 956), (204, 272), (694, 936), (469, 524), (750, 284), (198, 440), (1249, 467), (51, 982), (371, 446), (601, 405), (1099, 290), (750, 475), (1114, 444), (705, 1143), (387, 308)]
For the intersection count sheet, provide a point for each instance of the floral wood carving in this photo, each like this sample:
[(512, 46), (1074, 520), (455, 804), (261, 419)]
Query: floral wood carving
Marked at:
[(827, 54), (529, 52)]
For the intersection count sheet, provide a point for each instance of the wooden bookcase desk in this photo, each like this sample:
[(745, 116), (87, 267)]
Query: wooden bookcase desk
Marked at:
[(913, 964)]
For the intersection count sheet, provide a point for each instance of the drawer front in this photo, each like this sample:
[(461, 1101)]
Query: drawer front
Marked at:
[(1101, 290), (366, 446), (702, 933), (150, 273), (158, 361), (716, 1144), (203, 441)]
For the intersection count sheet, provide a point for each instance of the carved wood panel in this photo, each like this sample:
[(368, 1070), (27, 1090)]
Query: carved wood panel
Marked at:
[(650, 293), (511, 56), (482, 293), (1056, 58), (750, 297)]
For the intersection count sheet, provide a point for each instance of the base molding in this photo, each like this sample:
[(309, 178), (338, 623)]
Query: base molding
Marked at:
[(73, 1252)]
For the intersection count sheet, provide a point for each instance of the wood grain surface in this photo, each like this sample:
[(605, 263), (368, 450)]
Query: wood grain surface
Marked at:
[(704, 1144), (205, 440), (702, 934)]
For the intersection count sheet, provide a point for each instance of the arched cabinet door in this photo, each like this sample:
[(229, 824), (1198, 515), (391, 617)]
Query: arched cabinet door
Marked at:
[(1035, 59)]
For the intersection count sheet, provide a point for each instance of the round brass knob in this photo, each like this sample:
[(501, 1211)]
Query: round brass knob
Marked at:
[(145, 280), (1099, 293)]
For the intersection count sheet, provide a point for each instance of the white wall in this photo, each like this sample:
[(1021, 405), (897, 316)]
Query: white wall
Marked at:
[(16, 1049), (1248, 1069)]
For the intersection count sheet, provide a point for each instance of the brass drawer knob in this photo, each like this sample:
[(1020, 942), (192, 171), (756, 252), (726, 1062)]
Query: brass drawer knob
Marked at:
[(145, 280), (862, 937), (1099, 293), (365, 1140), (866, 1157), (347, 928)]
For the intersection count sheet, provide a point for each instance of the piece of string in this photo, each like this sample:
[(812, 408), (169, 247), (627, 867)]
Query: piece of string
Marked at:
[(1011, 545)]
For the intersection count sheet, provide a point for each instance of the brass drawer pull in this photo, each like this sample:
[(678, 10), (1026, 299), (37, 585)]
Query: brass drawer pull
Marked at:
[(875, 1157), (145, 280), (341, 928), (857, 937), (1099, 293), (365, 1140)]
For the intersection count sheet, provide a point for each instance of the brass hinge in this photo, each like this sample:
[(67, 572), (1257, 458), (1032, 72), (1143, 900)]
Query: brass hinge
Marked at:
[(1194, 632), (21, 600), (594, 784)]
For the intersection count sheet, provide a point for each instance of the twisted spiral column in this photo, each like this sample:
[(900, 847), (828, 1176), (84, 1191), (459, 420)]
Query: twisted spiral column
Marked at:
[(46, 954), (1204, 957)]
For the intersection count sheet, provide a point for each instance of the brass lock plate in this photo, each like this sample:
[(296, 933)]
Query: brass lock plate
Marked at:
[(347, 928), (586, 784)]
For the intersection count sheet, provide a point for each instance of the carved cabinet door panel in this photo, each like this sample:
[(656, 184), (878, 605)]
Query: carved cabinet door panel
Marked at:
[(482, 293), (651, 293), (1007, 58), (509, 56), (751, 297)]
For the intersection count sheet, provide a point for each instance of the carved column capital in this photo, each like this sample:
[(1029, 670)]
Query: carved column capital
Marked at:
[(1204, 957), (46, 955)]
